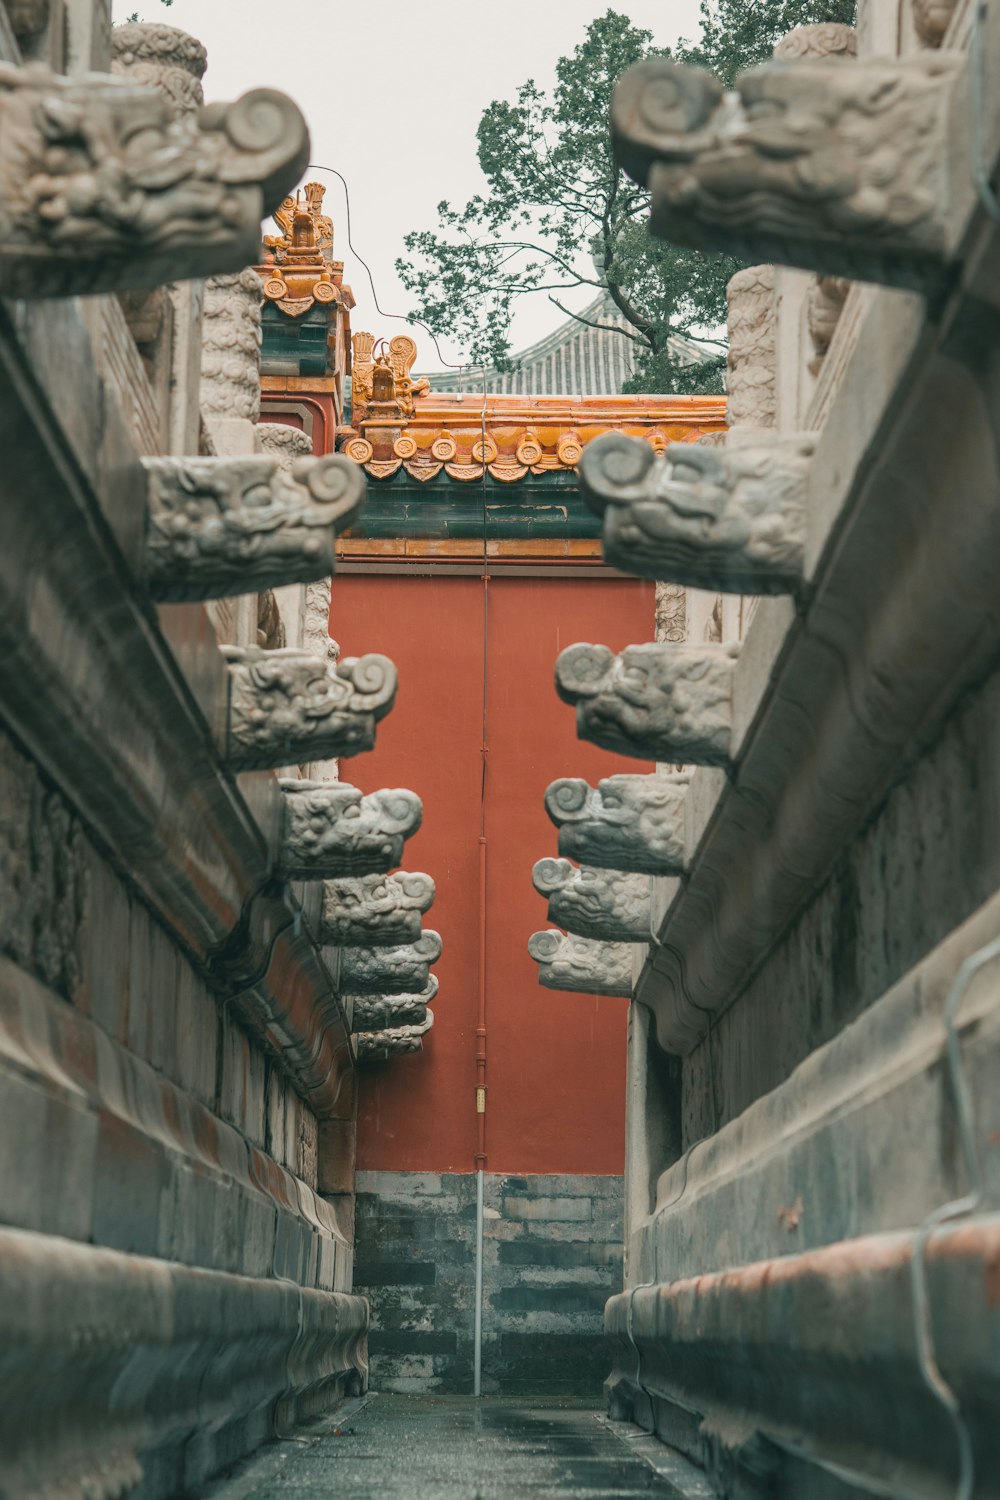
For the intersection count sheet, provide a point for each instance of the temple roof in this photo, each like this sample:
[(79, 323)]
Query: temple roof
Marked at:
[(576, 359), (458, 465)]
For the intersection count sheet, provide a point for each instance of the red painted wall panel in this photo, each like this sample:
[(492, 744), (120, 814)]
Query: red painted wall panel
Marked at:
[(556, 1068)]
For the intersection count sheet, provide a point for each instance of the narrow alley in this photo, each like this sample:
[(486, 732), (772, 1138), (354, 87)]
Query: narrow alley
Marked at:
[(456, 1448)]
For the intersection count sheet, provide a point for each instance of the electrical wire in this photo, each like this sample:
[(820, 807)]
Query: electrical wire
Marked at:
[(315, 166)]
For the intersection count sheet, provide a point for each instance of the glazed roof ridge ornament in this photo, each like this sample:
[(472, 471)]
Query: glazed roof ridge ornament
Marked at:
[(627, 822), (219, 527), (730, 519), (840, 169), (581, 964), (608, 905), (332, 830), (103, 188), (287, 705), (658, 701)]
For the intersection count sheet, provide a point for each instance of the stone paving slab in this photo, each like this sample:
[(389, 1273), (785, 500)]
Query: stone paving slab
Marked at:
[(449, 1448)]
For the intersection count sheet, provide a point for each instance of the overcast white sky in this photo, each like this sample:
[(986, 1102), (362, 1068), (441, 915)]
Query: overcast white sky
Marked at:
[(393, 92)]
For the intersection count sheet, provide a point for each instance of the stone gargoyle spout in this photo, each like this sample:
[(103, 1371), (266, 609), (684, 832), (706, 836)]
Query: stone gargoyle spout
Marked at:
[(580, 964), (375, 911), (390, 971), (605, 904), (332, 829), (729, 519), (103, 189), (219, 527), (287, 706), (845, 170), (624, 823), (657, 701)]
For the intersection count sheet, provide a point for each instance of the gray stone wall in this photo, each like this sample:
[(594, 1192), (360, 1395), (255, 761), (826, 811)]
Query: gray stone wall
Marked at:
[(552, 1257), (928, 858)]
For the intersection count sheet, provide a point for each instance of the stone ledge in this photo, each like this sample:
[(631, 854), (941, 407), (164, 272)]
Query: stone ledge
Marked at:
[(109, 1363), (831, 710), (833, 1146), (90, 687), (144, 1168), (815, 1356)]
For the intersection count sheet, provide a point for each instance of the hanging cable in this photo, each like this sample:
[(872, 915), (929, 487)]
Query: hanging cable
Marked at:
[(315, 166)]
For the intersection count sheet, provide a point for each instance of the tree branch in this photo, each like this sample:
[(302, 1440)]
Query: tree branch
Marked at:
[(604, 327)]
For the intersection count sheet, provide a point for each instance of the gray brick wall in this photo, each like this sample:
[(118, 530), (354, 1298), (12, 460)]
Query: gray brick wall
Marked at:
[(552, 1257)]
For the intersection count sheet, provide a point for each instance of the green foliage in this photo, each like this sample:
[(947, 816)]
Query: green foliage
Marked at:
[(738, 34), (557, 215)]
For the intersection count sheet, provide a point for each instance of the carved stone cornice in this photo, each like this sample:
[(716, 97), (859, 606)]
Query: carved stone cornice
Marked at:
[(655, 701), (395, 1041), (390, 971), (581, 965), (752, 353), (287, 706), (728, 518), (219, 527), (844, 170), (594, 903), (824, 304), (163, 57), (102, 189), (375, 911), (379, 1012), (631, 823), (332, 830), (230, 346)]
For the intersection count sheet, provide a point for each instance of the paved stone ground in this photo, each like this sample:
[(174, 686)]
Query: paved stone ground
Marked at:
[(449, 1448)]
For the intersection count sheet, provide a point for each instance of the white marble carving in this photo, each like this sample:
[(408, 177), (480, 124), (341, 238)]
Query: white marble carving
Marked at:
[(332, 830), (287, 707), (230, 355), (656, 702), (595, 903), (376, 911), (163, 58), (624, 823), (751, 357), (728, 518), (401, 970), (581, 965), (931, 19), (218, 527), (839, 169), (395, 1041), (824, 304), (831, 39), (103, 189)]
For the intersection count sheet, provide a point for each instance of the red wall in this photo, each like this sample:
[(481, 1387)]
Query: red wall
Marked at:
[(556, 1062)]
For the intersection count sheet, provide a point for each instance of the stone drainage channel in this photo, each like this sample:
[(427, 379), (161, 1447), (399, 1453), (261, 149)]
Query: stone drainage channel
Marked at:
[(393, 1447)]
